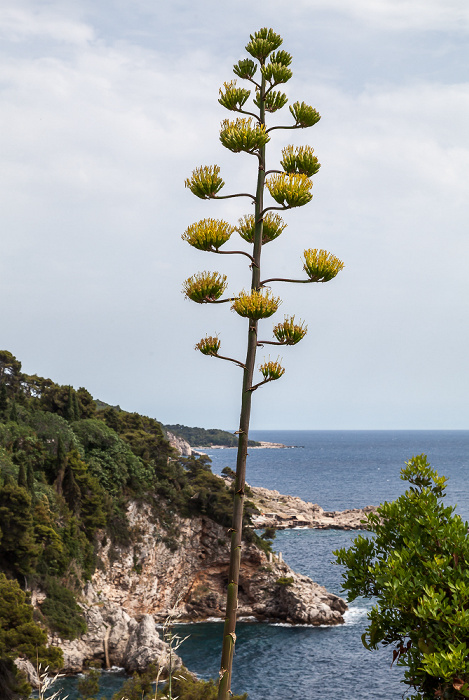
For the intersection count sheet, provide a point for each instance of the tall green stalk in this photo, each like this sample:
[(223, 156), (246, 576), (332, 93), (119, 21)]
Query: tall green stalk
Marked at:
[(289, 188)]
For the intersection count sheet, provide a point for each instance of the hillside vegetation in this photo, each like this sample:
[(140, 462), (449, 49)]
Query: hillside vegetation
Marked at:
[(68, 470)]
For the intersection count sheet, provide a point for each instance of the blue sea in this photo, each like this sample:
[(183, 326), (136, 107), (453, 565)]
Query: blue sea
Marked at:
[(337, 470)]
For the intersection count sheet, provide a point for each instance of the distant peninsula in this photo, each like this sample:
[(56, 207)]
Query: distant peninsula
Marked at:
[(199, 437)]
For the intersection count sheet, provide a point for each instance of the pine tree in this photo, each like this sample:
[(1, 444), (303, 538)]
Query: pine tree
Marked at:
[(289, 187)]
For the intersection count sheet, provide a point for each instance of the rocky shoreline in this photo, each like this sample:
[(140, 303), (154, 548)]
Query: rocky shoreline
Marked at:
[(281, 512)]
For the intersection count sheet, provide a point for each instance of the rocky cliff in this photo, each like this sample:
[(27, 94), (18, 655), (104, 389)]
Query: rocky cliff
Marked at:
[(188, 574), (183, 574)]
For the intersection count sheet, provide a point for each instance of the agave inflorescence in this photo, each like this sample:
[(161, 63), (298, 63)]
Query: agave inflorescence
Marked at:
[(300, 160), (271, 370), (256, 304), (273, 225), (290, 188), (304, 115), (208, 234), (205, 181), (210, 345), (233, 97), (205, 287), (242, 135), (321, 266), (289, 332)]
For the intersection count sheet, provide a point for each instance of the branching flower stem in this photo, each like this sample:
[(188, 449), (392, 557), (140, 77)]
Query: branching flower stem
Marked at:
[(282, 279), (230, 359), (229, 636), (230, 196), (234, 252)]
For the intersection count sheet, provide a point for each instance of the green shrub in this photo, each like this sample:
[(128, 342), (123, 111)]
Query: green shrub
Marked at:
[(284, 581), (61, 610)]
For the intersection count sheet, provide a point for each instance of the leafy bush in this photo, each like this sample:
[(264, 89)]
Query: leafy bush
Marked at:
[(62, 611)]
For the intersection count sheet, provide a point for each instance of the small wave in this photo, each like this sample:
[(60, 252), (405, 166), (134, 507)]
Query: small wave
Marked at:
[(114, 669), (353, 616)]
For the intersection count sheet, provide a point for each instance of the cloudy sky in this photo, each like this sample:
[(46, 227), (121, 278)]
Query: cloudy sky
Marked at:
[(107, 106)]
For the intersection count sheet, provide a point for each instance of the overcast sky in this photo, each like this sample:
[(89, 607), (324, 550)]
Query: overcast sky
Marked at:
[(107, 106)]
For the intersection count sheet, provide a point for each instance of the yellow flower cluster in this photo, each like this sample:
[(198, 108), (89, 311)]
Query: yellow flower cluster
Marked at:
[(273, 226), (271, 370), (289, 332), (205, 287), (276, 73), (208, 234), (205, 181), (304, 115), (256, 304), (242, 135), (233, 97), (290, 189), (300, 160), (321, 266), (210, 345)]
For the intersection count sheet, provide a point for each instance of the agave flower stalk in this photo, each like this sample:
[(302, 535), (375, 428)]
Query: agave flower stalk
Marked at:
[(289, 188)]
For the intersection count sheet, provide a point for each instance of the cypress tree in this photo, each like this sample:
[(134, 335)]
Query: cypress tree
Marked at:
[(22, 480), (61, 461), (3, 399), (30, 478), (76, 407), (13, 413)]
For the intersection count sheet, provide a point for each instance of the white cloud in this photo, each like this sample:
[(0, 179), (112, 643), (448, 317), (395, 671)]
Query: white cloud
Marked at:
[(18, 24), (397, 15)]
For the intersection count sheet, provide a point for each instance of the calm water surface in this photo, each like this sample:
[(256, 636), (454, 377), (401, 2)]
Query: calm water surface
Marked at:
[(338, 470)]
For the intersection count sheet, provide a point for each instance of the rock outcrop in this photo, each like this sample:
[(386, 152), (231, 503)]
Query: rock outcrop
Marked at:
[(281, 512), (181, 446), (188, 573), (114, 638)]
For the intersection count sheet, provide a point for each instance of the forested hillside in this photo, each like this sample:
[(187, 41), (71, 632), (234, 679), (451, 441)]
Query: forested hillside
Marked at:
[(200, 437), (68, 470)]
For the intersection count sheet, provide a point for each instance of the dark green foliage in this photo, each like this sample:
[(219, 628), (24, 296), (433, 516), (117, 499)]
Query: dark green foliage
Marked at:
[(109, 457), (416, 568), (20, 635), (229, 472), (22, 476), (3, 399), (61, 610), (18, 549), (199, 437)]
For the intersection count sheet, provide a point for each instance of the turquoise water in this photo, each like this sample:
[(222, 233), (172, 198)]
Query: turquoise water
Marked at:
[(338, 470)]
